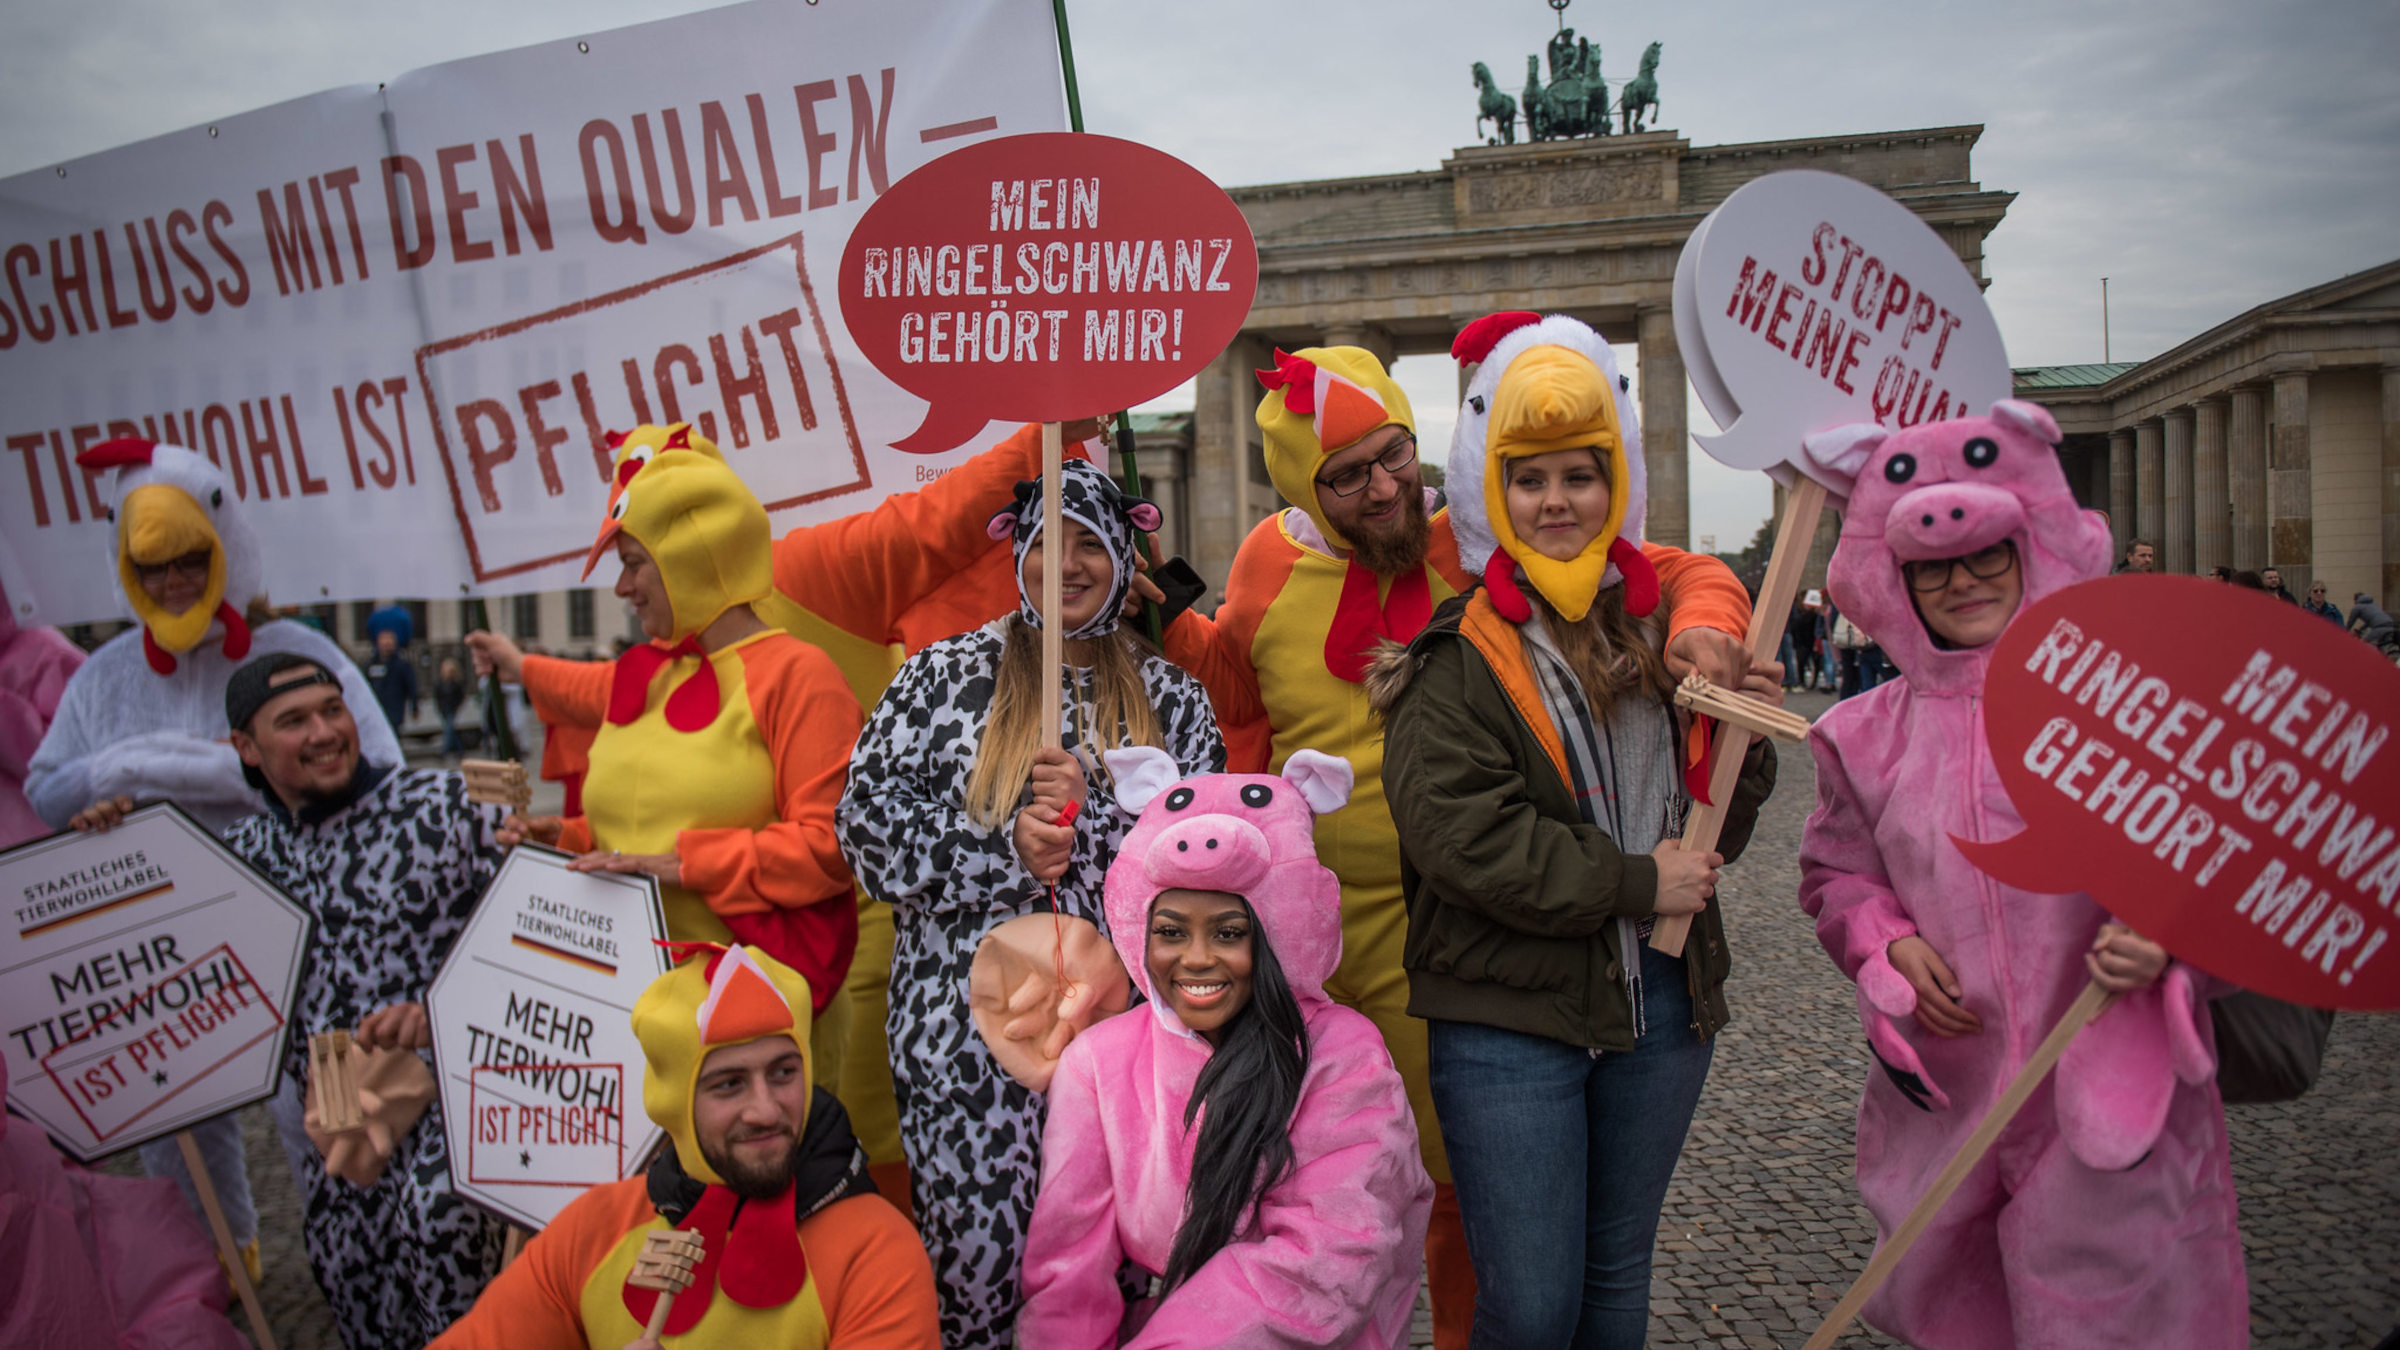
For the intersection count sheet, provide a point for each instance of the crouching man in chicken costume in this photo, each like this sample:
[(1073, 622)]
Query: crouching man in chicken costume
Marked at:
[(797, 1249)]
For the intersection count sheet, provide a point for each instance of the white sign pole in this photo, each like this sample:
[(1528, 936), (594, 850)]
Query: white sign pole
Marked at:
[(533, 1044)]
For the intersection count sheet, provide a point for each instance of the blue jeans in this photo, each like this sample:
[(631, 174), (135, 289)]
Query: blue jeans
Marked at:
[(1562, 1159)]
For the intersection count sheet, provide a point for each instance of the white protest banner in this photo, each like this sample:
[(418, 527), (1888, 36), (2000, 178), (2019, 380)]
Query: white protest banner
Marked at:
[(403, 320), (541, 1076), (145, 977)]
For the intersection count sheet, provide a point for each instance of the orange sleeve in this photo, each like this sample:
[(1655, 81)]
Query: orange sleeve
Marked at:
[(536, 1303), (872, 1275), (862, 572), (810, 720), (569, 693), (575, 836), (1700, 591)]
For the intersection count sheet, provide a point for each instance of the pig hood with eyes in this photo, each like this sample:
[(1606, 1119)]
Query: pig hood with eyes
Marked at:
[(1248, 834), (1946, 490)]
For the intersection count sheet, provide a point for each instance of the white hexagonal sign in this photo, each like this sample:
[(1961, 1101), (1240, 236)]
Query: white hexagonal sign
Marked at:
[(541, 1077), (145, 978)]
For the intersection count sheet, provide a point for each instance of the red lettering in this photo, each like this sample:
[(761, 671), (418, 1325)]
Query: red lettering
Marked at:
[(482, 459), (65, 280), (21, 258), (179, 224), (733, 389), (1783, 314), (816, 142), (288, 246), (514, 194), (721, 165), (680, 219), (545, 437), (264, 447), (117, 318), (867, 127), (457, 201), (213, 217), (403, 173), (615, 231), (341, 181), (29, 444), (779, 327), (778, 205)]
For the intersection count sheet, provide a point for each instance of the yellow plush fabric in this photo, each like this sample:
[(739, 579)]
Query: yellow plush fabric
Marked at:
[(1551, 398), (1293, 451), (667, 1021), (156, 523), (705, 529)]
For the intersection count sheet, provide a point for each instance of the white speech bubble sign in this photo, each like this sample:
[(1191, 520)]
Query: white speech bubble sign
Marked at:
[(1807, 300)]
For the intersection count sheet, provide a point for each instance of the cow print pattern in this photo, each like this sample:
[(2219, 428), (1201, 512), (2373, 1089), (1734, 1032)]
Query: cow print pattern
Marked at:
[(391, 879), (972, 1134)]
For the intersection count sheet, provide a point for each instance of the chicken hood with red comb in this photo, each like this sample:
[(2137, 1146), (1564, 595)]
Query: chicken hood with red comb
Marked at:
[(726, 996)]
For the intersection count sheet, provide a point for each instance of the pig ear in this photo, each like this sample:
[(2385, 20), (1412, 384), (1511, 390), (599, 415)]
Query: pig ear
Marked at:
[(2031, 418), (1324, 780), (1140, 773), (1836, 456), (1002, 525)]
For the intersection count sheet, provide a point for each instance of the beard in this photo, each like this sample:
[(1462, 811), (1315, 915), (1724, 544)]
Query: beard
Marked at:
[(1399, 547), (761, 1181)]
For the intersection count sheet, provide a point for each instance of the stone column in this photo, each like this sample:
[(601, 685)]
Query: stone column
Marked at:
[(2175, 553), (2150, 486), (2212, 498), (2391, 491), (2246, 474), (1221, 416), (2291, 533), (1666, 447), (2120, 490)]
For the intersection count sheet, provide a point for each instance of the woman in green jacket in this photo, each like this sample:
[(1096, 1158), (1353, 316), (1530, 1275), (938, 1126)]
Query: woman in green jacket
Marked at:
[(1532, 759)]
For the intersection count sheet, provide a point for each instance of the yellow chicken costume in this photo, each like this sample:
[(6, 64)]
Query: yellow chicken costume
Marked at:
[(827, 1263), (732, 760), (1282, 660)]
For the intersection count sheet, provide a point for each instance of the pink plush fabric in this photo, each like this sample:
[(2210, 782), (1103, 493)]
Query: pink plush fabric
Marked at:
[(1332, 1257), (35, 664), (2104, 1216), (98, 1261)]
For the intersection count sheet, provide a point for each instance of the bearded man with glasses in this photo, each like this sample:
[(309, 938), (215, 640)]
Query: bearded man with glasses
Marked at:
[(1363, 555)]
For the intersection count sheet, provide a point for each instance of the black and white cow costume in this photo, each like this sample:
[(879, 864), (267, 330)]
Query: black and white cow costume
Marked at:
[(971, 1133)]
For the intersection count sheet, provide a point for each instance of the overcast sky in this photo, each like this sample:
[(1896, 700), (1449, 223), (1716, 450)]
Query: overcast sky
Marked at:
[(2205, 156)]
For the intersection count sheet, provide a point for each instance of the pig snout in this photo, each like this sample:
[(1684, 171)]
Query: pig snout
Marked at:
[(1211, 853), (1951, 520)]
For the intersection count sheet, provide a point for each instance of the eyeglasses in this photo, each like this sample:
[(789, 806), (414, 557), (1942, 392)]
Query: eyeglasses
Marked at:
[(1352, 481), (193, 565), (1932, 574)]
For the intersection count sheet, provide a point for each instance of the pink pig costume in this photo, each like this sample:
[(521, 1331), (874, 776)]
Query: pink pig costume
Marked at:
[(35, 665), (2104, 1215), (1332, 1256)]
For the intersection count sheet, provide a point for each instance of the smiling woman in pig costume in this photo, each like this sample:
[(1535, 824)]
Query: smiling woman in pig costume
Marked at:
[(2104, 1215), (1293, 1213)]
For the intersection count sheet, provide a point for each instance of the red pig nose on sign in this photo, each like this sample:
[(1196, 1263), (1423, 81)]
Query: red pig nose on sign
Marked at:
[(2213, 766), (1045, 278)]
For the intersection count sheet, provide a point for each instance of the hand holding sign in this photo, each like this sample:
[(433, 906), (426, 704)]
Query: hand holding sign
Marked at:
[(1035, 278), (2211, 766)]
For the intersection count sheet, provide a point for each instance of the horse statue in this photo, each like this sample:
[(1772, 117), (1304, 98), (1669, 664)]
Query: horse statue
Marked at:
[(1537, 103), (1495, 107), (1641, 93)]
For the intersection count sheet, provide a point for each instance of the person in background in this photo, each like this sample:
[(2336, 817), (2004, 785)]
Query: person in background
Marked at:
[(955, 814), (1799, 654), (2247, 580), (391, 861), (390, 672), (2272, 580), (1533, 759), (798, 1252), (2105, 1217), (2139, 557), (1294, 1213), (35, 666), (1828, 665), (2370, 620), (144, 718), (449, 695), (2220, 573), (2317, 604)]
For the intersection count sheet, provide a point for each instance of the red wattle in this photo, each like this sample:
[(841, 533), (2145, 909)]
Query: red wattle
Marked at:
[(1500, 579), (237, 631), (1641, 579), (764, 1266), (160, 659)]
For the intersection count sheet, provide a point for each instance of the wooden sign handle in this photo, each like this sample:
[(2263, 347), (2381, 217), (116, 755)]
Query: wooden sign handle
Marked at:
[(1054, 556), (2093, 1001), (1793, 538), (234, 1266), (658, 1317)]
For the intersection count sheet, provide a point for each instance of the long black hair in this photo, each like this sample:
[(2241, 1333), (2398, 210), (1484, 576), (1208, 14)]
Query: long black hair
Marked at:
[(1251, 1086)]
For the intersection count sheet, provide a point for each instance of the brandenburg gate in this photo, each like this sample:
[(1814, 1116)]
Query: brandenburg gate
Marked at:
[(1398, 263)]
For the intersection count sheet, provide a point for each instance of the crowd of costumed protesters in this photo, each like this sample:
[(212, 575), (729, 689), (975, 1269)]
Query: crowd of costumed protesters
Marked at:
[(1371, 858)]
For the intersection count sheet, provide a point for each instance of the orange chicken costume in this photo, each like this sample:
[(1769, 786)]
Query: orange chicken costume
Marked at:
[(827, 1265), (1282, 661)]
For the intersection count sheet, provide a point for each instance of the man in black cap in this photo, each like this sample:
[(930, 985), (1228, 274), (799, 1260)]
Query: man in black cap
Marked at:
[(391, 860)]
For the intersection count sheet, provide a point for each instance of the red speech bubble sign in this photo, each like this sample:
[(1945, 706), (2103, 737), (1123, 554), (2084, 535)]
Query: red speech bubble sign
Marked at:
[(1045, 278), (2215, 767)]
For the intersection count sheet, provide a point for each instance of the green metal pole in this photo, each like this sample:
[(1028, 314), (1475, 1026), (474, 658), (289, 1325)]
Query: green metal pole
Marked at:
[(1132, 479), (495, 699)]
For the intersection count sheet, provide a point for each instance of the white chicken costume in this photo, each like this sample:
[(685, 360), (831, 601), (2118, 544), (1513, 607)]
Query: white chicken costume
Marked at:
[(145, 717)]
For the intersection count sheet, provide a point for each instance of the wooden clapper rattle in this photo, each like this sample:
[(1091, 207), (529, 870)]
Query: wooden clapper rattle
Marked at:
[(497, 782), (665, 1263)]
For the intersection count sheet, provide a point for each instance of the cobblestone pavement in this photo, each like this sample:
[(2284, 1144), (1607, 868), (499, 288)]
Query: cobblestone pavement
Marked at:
[(1762, 1231)]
